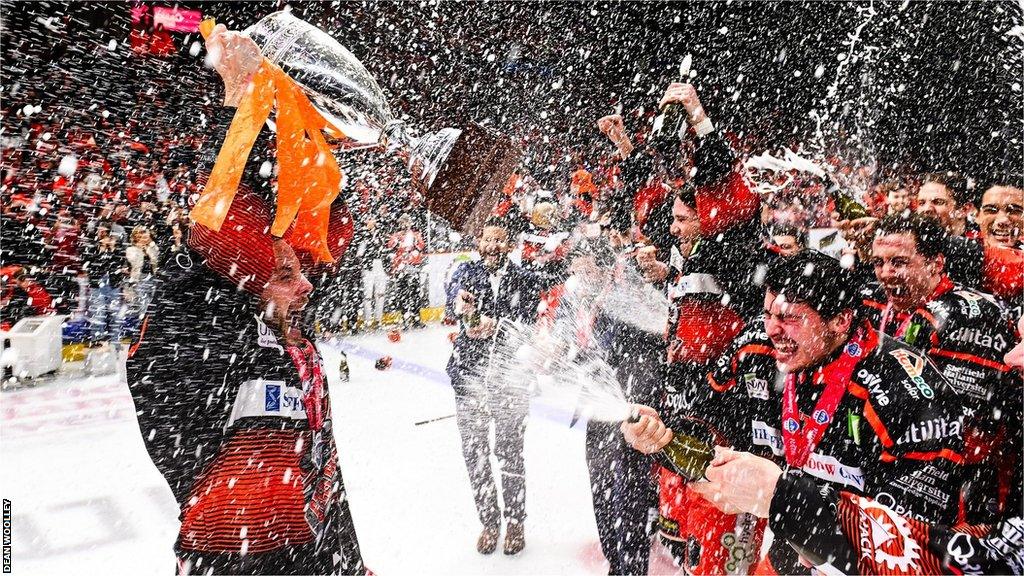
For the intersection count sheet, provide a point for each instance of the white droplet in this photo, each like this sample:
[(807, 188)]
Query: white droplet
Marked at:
[(819, 71), (266, 169), (112, 45), (67, 166)]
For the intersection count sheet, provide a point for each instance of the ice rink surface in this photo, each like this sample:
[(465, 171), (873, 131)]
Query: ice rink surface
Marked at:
[(87, 500)]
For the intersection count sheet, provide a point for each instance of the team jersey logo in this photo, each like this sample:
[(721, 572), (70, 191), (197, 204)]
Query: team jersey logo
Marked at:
[(886, 538), (272, 398), (913, 365), (756, 387), (791, 425), (853, 349), (821, 417)]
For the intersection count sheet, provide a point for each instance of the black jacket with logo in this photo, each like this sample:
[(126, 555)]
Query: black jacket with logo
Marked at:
[(215, 391), (966, 334), (896, 434)]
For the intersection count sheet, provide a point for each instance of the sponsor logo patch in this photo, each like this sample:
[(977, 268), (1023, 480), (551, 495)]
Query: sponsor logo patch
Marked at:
[(756, 387), (818, 465), (913, 365), (272, 398), (821, 417)]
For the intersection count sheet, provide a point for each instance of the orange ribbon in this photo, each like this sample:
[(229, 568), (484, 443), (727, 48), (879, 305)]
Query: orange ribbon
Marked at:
[(308, 177)]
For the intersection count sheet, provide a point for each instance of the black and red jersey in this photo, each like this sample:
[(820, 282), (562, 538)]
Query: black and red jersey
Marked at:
[(896, 432), (239, 423), (966, 334)]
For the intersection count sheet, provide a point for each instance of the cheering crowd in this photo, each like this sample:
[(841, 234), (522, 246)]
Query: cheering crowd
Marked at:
[(869, 400), (857, 410)]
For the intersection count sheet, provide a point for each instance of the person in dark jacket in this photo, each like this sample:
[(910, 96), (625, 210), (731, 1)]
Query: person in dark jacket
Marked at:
[(482, 294), (104, 261), (622, 485), (231, 397), (234, 408)]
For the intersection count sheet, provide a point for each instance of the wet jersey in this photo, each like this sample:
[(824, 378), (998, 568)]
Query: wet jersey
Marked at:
[(966, 334), (239, 423), (886, 423)]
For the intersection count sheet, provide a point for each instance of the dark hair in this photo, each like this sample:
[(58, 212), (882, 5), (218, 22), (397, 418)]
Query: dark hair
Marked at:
[(953, 181), (503, 222), (687, 194), (597, 248), (789, 230), (928, 233), (814, 279)]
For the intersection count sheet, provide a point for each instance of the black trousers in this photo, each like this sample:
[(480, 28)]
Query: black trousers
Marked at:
[(478, 404), (406, 297), (624, 492)]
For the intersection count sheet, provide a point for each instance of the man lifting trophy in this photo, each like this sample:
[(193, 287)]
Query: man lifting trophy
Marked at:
[(320, 88)]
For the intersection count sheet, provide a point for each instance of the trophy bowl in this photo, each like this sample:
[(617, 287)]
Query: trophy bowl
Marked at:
[(460, 172)]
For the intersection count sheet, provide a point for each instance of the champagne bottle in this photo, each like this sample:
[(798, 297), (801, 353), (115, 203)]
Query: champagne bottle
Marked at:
[(687, 456), (690, 451), (665, 132), (472, 319), (846, 205)]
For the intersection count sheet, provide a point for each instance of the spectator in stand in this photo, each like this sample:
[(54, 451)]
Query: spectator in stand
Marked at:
[(106, 266), (370, 251), (21, 240), (1001, 217), (144, 260), (62, 242), (21, 296), (406, 247), (176, 245), (943, 196)]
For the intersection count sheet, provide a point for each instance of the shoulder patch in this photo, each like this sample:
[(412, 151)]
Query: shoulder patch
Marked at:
[(265, 338)]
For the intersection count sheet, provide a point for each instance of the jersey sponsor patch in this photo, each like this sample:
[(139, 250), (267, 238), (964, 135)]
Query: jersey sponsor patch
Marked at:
[(885, 538), (267, 398), (265, 338), (980, 337), (756, 387), (971, 299), (913, 365), (818, 465)]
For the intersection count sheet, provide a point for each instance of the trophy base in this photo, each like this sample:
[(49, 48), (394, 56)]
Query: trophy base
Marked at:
[(470, 181)]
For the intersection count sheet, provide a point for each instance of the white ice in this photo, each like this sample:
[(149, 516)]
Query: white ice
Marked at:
[(87, 500)]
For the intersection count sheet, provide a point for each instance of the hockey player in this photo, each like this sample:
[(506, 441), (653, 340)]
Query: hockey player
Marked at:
[(823, 394), (233, 406), (231, 396), (964, 332), (860, 535), (713, 292)]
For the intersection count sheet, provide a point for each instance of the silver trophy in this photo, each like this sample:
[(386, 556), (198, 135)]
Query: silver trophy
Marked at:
[(460, 172)]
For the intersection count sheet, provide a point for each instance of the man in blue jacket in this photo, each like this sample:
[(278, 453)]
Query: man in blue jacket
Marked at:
[(480, 294)]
